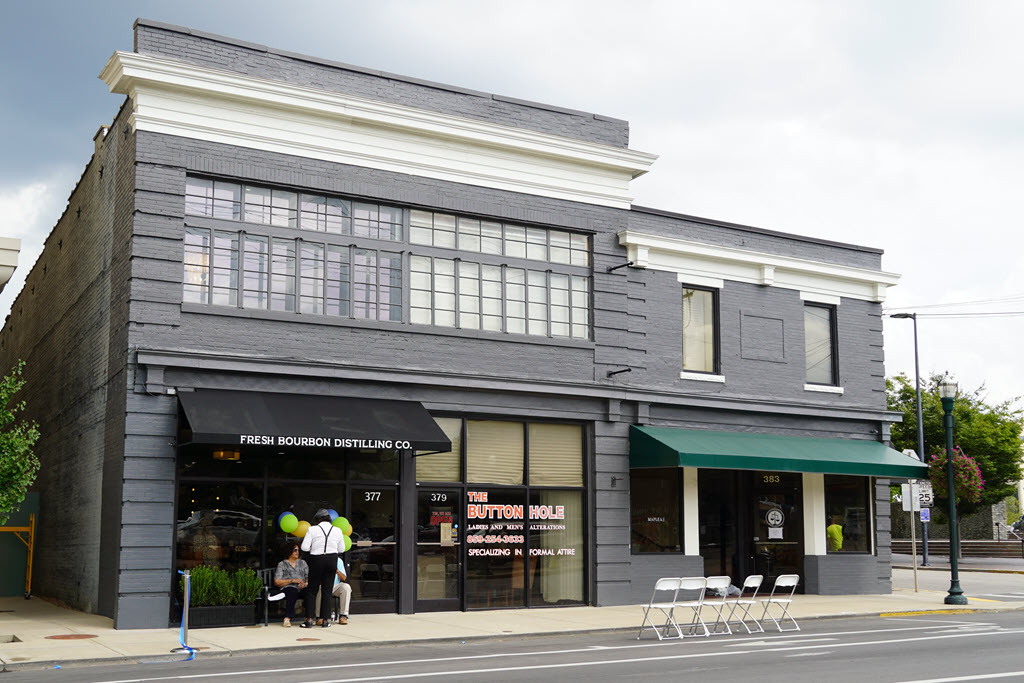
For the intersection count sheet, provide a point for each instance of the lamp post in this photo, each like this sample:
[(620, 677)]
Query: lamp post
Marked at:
[(920, 431), (947, 392)]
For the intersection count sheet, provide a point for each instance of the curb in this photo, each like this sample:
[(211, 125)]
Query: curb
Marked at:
[(962, 569), (326, 647)]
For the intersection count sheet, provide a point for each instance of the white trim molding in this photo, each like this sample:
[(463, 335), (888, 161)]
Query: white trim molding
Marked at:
[(198, 102), (701, 377), (9, 249), (691, 512), (824, 388), (815, 521), (694, 262)]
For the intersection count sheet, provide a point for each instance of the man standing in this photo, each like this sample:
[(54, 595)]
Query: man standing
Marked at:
[(323, 542), (342, 591), (834, 534)]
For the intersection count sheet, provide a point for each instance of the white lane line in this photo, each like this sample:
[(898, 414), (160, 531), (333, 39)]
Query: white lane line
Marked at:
[(535, 653), (976, 677), (753, 643), (1019, 596), (642, 660)]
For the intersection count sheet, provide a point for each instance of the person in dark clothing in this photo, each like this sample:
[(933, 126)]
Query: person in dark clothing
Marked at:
[(324, 543)]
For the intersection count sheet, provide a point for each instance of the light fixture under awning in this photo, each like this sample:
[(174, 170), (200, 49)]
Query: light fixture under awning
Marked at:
[(668, 447), (254, 418)]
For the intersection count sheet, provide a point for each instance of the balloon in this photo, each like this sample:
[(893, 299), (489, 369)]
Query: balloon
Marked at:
[(348, 543), (301, 529), (282, 515), (333, 513), (338, 522), (288, 522)]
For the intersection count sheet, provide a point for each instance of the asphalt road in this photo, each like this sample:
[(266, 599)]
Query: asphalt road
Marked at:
[(931, 649), (980, 586)]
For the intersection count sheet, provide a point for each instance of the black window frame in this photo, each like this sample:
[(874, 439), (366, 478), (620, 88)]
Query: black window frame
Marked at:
[(833, 331), (869, 511), (680, 511), (716, 360)]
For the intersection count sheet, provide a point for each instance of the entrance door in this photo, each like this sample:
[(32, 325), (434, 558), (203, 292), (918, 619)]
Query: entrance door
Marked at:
[(371, 561), (438, 547), (777, 524)]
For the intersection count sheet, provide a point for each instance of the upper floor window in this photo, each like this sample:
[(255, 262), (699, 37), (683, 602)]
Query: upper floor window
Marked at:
[(491, 237), (819, 344), (341, 272), (700, 330), (272, 206)]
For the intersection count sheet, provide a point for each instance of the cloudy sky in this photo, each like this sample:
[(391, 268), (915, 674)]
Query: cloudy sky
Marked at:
[(893, 125)]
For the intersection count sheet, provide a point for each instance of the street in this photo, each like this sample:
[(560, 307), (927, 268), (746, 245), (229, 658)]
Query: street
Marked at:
[(906, 649)]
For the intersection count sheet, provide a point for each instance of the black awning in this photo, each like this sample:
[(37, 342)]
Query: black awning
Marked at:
[(254, 418)]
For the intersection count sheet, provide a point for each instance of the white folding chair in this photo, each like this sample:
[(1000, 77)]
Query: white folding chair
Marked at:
[(663, 599), (781, 600), (693, 585), (715, 597), (744, 602)]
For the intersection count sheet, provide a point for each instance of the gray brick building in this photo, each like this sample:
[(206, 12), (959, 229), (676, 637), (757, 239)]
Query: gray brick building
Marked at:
[(284, 283)]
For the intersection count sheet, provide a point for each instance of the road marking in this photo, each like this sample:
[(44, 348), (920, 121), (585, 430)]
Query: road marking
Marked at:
[(976, 677), (1019, 596), (773, 639), (753, 643), (642, 660)]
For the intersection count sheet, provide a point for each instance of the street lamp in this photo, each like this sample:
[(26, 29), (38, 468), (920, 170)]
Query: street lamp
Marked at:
[(920, 429), (947, 392)]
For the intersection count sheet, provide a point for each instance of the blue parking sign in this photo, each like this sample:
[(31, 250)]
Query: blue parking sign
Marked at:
[(926, 514)]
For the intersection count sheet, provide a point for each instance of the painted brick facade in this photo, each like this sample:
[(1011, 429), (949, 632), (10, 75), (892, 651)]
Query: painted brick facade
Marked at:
[(114, 338)]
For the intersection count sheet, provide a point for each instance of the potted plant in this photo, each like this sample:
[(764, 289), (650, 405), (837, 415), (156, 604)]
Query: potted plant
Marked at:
[(221, 598)]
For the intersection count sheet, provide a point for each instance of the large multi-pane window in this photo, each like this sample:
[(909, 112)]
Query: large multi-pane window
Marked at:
[(498, 298), (288, 275), (699, 331), (819, 344), (496, 292)]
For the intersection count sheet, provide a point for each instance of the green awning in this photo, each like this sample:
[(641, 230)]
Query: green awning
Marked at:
[(667, 447)]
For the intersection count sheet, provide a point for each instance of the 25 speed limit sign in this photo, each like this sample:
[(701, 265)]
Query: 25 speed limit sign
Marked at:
[(925, 494)]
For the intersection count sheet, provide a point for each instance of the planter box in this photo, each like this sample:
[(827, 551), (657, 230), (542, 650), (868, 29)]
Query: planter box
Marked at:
[(222, 615)]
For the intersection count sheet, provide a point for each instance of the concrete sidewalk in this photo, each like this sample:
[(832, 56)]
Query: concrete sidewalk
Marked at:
[(999, 565), (35, 634)]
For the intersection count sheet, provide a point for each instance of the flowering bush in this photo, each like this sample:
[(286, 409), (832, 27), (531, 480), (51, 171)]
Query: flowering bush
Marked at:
[(969, 483)]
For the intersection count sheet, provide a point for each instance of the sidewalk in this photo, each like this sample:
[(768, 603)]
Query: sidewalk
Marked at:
[(1001, 565), (46, 635)]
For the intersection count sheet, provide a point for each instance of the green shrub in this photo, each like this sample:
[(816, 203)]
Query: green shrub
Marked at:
[(215, 586), (248, 586)]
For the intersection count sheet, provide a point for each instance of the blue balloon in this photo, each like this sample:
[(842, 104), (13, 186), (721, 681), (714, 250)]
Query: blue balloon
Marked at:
[(333, 513), (286, 512)]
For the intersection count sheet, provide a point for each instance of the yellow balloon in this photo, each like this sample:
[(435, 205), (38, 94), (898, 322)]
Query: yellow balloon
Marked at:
[(301, 529)]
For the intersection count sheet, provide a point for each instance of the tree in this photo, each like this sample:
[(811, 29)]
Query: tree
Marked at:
[(18, 464), (989, 434)]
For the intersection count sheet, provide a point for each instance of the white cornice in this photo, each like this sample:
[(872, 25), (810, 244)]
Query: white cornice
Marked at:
[(9, 248), (220, 106), (815, 280)]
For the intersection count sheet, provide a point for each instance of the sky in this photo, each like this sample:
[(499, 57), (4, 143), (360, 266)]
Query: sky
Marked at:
[(891, 125)]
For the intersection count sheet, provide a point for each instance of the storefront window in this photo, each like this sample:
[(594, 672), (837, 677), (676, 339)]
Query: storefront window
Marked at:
[(371, 465), (443, 466), (847, 512), (556, 455), (654, 510), (494, 452), (219, 525), (555, 565), (495, 548), (313, 464), (202, 461)]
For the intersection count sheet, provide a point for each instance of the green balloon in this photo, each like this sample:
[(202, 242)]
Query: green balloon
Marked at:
[(339, 522), (348, 543), (289, 523)]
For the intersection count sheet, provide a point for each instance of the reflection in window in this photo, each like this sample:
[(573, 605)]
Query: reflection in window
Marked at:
[(494, 568), (847, 513), (654, 510), (699, 330), (219, 525), (556, 549), (819, 344)]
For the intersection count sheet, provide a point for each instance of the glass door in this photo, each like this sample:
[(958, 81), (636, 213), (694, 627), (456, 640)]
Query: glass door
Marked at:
[(371, 561), (438, 547), (777, 524)]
